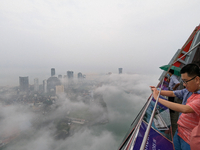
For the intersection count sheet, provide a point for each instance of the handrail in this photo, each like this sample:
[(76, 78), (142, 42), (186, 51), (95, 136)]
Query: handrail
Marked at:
[(134, 134), (188, 52), (184, 55), (141, 117), (177, 59), (138, 126), (150, 122), (153, 112)]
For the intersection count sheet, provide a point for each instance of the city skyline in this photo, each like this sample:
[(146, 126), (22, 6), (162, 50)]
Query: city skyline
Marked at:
[(46, 76)]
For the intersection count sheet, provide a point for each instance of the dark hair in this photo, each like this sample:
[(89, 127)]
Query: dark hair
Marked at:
[(191, 70), (171, 71)]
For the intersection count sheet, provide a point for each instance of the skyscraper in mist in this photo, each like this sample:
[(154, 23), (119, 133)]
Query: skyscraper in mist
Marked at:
[(45, 86), (120, 70), (59, 76), (52, 82), (23, 83), (36, 84), (80, 75), (70, 74), (53, 72), (59, 89)]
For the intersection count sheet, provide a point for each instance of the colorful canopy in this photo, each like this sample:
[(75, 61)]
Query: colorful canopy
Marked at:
[(176, 69)]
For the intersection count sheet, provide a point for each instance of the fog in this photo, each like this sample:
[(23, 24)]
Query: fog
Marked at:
[(91, 36), (87, 36), (124, 95)]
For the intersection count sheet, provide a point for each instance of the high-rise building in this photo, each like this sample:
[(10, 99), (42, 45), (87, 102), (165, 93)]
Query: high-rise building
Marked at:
[(59, 76), (53, 72), (59, 89), (52, 82), (36, 84), (23, 83), (80, 75), (45, 86), (70, 74), (120, 70)]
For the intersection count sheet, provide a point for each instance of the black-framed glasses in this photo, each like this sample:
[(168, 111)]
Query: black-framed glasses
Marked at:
[(188, 80)]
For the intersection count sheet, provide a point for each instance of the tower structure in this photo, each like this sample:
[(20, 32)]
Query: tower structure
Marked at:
[(120, 70), (52, 82), (70, 74), (45, 86), (23, 83), (80, 75), (53, 72), (36, 84)]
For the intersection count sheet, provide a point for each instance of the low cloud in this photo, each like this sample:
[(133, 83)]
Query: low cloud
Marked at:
[(124, 96)]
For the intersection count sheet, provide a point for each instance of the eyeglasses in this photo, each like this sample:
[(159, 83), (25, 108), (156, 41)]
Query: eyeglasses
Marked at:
[(188, 80)]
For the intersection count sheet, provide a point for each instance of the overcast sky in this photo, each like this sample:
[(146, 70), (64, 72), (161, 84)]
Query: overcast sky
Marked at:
[(91, 36)]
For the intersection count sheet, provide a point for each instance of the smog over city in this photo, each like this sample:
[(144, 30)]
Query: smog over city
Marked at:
[(93, 113), (75, 74)]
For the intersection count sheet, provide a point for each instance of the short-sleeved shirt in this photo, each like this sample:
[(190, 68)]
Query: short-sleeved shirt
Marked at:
[(195, 138), (183, 94), (173, 82), (187, 121)]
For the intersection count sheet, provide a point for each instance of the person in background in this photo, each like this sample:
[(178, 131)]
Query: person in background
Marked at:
[(173, 81), (173, 84), (190, 116)]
